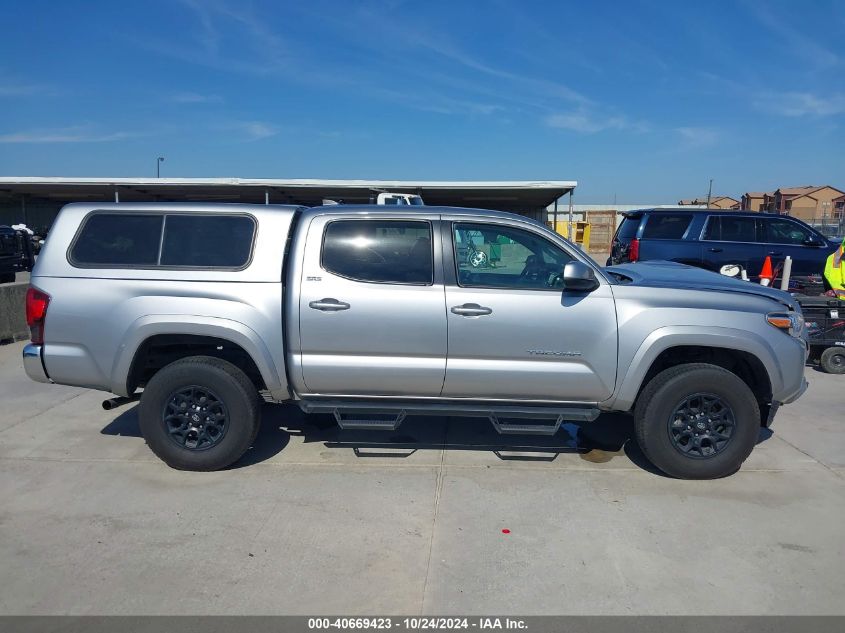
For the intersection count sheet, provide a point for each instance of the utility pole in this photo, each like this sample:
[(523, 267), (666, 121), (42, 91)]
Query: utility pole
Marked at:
[(159, 161), (709, 193)]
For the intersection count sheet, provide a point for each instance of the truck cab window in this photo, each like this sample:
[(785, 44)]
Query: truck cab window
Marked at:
[(491, 256), (379, 251)]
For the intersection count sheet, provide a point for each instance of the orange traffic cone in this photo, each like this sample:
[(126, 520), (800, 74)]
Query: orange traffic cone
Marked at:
[(766, 275)]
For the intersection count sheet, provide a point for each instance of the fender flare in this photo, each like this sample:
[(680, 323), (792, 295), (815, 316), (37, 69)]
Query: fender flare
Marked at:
[(242, 335), (663, 338)]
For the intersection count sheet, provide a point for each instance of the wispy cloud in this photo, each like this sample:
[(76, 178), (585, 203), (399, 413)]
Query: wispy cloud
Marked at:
[(76, 134), (23, 89), (253, 130), (447, 77), (221, 26), (790, 33), (800, 104), (246, 45), (194, 97), (697, 136), (586, 122), (452, 53)]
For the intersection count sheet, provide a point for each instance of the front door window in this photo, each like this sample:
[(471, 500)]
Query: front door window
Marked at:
[(490, 256)]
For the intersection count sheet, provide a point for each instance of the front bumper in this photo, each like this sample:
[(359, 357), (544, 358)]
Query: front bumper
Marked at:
[(799, 393), (33, 365)]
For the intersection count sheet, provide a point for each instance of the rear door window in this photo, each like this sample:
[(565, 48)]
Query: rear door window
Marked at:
[(667, 226), (119, 240), (379, 251), (730, 229), (713, 229)]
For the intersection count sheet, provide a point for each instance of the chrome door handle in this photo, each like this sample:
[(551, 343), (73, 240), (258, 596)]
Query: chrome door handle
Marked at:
[(471, 309), (715, 250), (775, 253), (329, 305)]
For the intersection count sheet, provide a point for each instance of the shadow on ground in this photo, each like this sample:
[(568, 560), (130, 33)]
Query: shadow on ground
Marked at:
[(609, 437)]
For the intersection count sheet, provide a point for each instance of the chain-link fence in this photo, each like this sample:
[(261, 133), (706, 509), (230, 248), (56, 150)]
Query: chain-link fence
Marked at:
[(831, 227)]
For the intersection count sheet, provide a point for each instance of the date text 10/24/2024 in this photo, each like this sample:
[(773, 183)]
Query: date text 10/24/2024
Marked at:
[(417, 623)]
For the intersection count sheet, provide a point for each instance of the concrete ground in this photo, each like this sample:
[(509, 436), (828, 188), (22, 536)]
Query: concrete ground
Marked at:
[(319, 521)]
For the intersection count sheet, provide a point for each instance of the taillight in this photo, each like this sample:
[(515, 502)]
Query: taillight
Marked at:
[(634, 250), (36, 311)]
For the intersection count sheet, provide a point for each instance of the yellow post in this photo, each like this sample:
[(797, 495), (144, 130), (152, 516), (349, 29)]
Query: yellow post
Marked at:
[(581, 233)]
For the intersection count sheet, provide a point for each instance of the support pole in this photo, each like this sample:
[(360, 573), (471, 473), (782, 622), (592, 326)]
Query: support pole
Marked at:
[(266, 197), (787, 272), (554, 217), (116, 196), (571, 234)]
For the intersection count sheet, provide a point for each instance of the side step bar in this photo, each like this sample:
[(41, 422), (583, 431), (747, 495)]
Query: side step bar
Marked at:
[(349, 420), (387, 416)]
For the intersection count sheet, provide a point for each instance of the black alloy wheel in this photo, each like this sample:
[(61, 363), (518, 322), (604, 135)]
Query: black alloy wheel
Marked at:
[(701, 426)]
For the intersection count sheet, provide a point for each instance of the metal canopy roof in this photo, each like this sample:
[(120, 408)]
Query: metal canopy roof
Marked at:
[(519, 196)]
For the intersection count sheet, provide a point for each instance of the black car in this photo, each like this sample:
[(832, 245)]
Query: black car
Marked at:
[(712, 239), (15, 253)]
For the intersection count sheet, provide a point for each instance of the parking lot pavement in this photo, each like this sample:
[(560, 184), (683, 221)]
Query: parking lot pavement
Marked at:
[(316, 520)]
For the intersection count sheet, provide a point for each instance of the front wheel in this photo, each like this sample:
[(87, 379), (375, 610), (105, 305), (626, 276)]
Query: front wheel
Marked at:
[(697, 421), (199, 413)]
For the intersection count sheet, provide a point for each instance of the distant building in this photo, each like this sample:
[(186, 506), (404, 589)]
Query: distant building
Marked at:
[(839, 207), (753, 200), (807, 202), (716, 202)]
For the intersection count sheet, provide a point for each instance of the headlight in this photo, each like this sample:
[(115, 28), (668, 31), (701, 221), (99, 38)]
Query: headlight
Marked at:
[(790, 322)]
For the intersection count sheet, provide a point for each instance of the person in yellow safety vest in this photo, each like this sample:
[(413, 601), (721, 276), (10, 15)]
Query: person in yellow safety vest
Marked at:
[(834, 271)]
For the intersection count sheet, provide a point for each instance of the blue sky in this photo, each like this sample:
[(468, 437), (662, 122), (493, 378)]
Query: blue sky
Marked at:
[(638, 101)]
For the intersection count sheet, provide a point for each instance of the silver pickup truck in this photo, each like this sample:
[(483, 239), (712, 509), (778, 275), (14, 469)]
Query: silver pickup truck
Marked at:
[(373, 314)]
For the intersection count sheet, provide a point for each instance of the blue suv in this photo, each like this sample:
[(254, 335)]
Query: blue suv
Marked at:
[(712, 239)]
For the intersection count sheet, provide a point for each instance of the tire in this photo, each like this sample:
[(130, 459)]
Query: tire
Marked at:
[(7, 278), (704, 456), (227, 391), (833, 360)]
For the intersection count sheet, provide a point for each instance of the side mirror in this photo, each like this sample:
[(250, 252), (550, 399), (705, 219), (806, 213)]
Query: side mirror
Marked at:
[(813, 241), (579, 277)]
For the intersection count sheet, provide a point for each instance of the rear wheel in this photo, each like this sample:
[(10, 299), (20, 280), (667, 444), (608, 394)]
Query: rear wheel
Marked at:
[(7, 278), (833, 360), (199, 413), (697, 421)]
